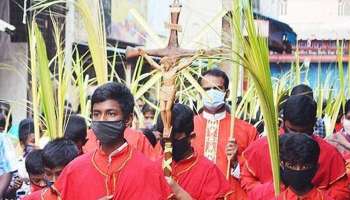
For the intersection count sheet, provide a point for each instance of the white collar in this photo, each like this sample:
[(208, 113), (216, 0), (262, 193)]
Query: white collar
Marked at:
[(119, 149), (214, 117)]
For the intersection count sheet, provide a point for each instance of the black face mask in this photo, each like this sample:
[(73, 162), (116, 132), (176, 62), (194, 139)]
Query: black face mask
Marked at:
[(108, 132), (298, 180), (180, 147)]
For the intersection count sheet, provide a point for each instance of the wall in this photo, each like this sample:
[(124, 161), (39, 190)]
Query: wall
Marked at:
[(13, 73), (316, 19)]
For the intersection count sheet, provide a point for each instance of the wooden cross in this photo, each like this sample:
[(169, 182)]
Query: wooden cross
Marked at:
[(169, 67), (173, 47)]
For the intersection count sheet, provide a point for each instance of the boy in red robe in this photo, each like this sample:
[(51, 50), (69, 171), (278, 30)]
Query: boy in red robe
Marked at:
[(193, 175), (55, 156), (299, 155), (115, 170), (299, 116), (35, 169)]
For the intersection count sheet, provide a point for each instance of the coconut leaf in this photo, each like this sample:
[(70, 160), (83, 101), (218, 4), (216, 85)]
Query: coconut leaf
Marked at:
[(45, 83), (256, 60)]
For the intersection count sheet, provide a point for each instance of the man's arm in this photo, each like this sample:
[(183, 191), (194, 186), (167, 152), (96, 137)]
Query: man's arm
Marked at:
[(149, 59), (187, 63), (5, 180)]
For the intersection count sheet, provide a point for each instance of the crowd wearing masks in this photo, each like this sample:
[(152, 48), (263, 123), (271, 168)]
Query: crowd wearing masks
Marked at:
[(114, 157)]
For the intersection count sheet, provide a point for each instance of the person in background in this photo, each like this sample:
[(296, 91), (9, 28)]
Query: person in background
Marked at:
[(341, 139), (26, 136), (8, 163), (20, 181), (76, 130), (35, 168), (148, 116), (55, 156), (302, 89)]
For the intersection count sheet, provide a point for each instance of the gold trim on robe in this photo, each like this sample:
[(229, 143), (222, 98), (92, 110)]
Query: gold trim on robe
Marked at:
[(211, 139)]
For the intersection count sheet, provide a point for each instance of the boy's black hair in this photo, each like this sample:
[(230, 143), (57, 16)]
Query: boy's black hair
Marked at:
[(302, 89), (117, 92), (147, 108), (150, 136), (182, 120), (299, 149), (59, 152), (34, 162), (25, 128), (300, 110), (76, 129), (347, 106)]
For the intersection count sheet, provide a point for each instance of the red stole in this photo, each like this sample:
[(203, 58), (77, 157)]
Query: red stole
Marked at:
[(244, 135), (129, 175)]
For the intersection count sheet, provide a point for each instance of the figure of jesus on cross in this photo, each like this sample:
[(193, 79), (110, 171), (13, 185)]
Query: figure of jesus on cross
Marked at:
[(169, 67)]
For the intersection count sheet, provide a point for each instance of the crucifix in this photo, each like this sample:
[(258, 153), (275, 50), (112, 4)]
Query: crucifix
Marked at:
[(170, 64)]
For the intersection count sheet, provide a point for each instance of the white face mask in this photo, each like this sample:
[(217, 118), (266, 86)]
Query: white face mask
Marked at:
[(215, 100), (346, 125)]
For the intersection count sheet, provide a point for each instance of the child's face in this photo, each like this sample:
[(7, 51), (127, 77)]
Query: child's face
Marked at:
[(51, 175), (148, 119), (30, 140), (37, 182)]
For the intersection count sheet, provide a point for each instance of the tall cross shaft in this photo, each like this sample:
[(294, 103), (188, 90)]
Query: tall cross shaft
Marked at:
[(173, 47)]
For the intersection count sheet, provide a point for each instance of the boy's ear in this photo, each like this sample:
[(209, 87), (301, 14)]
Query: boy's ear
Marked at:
[(128, 120), (193, 135), (227, 93)]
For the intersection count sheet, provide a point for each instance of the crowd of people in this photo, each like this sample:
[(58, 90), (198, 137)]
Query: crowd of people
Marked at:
[(111, 160)]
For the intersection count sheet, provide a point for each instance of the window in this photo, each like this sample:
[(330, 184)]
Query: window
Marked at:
[(283, 7), (343, 7), (256, 5)]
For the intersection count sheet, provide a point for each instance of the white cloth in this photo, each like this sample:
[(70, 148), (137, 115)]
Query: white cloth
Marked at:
[(119, 149), (214, 117)]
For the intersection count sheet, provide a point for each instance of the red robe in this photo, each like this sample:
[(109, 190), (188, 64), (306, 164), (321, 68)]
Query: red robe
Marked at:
[(129, 175), (33, 196), (266, 192), (244, 134), (43, 194), (134, 137), (201, 178), (330, 176), (347, 164)]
